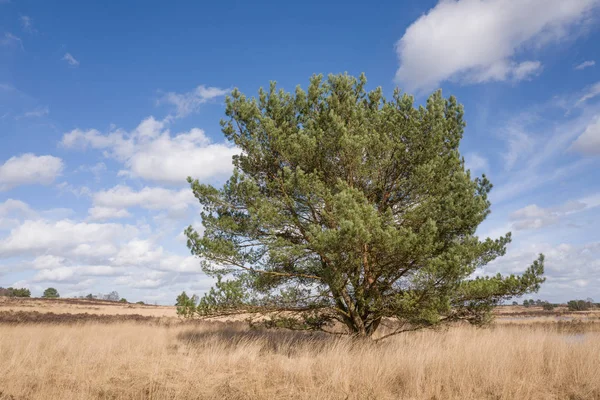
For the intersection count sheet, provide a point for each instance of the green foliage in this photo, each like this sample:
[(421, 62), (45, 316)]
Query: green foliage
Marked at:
[(548, 306), (123, 300), (186, 306), (90, 297), (579, 305), (140, 302), (51, 293), (225, 297), (15, 292), (346, 207)]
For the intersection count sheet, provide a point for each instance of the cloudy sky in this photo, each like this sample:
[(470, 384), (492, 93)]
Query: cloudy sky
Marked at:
[(106, 108)]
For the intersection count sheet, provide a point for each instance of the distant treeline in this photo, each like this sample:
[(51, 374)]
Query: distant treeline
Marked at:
[(14, 292), (573, 305), (53, 293)]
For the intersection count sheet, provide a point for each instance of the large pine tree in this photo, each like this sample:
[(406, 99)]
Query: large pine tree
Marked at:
[(349, 208)]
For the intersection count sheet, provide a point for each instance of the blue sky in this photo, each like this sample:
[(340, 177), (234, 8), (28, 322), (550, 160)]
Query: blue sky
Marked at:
[(106, 107)]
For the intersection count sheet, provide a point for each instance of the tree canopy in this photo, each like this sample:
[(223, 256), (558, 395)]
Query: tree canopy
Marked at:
[(346, 208), (50, 293)]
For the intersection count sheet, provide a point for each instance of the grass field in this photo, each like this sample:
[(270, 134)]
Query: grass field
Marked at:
[(158, 357)]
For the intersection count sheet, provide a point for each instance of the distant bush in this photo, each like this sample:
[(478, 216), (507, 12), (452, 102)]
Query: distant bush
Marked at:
[(579, 305), (123, 300), (528, 303), (15, 292), (50, 293), (548, 306), (140, 302)]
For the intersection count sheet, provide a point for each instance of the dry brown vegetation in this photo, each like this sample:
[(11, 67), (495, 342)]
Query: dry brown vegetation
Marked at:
[(127, 358)]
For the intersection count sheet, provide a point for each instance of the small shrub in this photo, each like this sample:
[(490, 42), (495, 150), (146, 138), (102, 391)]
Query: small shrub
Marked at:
[(186, 306), (548, 306), (50, 293), (579, 305)]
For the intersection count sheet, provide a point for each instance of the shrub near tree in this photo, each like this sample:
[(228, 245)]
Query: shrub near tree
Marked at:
[(186, 306), (50, 293), (345, 207)]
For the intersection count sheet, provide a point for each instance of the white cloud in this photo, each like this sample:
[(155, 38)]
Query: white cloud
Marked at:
[(151, 198), (476, 162), (526, 70), (151, 152), (535, 217), (38, 236), (29, 169), (138, 253), (73, 274), (97, 169), (570, 270), (27, 23), (78, 191), (104, 213), (589, 141), (48, 261), (478, 40), (11, 40), (188, 103), (72, 61), (36, 113), (11, 212), (519, 141), (589, 93), (13, 207), (585, 64)]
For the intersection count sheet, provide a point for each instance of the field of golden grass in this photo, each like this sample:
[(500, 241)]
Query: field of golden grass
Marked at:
[(224, 360)]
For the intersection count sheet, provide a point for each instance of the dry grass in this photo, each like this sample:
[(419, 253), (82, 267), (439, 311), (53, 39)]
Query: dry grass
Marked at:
[(127, 360), (138, 361), (77, 306)]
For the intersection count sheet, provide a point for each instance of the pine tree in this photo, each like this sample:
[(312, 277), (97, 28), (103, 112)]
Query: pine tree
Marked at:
[(350, 209)]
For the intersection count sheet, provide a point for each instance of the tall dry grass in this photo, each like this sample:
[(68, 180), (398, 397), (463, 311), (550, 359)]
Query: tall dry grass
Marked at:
[(221, 361)]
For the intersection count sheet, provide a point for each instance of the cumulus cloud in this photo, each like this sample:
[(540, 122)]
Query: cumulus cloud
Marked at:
[(14, 207), (585, 65), (29, 169), (535, 217), (37, 236), (72, 61), (477, 41), (104, 213), (70, 253), (11, 211), (151, 198), (589, 141), (73, 273), (573, 270), (151, 152), (189, 102)]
